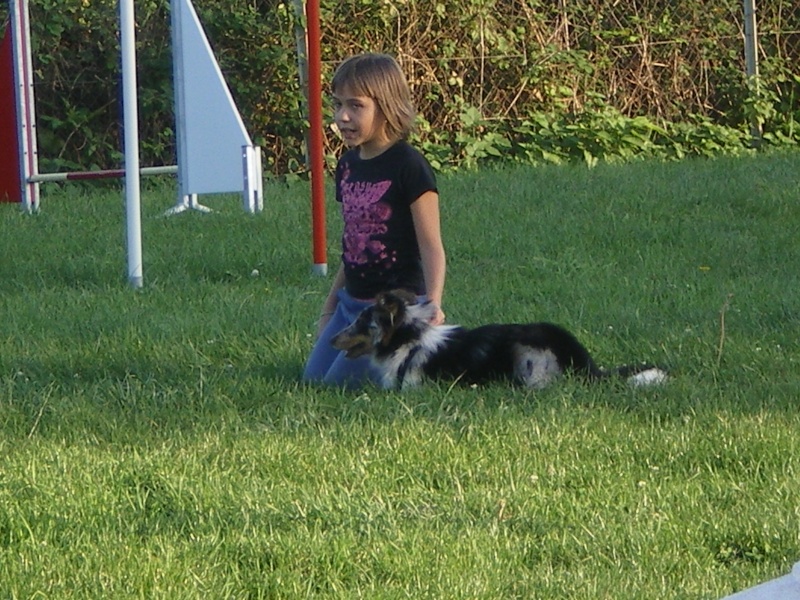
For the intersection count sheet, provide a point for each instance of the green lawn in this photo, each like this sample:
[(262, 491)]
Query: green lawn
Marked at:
[(157, 443)]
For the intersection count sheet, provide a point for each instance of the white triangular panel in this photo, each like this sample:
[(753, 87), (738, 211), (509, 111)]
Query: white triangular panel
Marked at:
[(210, 132), (781, 588)]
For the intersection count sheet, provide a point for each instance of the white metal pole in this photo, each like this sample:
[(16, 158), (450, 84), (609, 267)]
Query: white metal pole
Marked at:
[(26, 105), (302, 67), (751, 61), (750, 38), (131, 123)]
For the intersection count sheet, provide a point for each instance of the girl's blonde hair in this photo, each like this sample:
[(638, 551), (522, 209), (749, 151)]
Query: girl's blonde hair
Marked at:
[(378, 76)]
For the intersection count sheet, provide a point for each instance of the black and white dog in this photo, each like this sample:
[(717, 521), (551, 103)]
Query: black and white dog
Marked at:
[(406, 349)]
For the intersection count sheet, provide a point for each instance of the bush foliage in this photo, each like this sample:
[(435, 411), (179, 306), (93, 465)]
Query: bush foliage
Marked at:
[(493, 79)]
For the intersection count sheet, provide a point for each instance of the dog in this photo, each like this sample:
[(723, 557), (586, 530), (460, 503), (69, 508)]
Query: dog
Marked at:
[(406, 349)]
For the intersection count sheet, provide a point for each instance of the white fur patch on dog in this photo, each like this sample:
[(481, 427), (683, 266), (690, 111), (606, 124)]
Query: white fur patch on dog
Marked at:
[(652, 376), (423, 311), (390, 368), (430, 341), (535, 367)]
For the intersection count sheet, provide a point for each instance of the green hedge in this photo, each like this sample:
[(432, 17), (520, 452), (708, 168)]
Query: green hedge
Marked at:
[(494, 80)]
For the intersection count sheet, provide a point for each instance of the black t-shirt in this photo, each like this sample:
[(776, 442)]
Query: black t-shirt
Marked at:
[(379, 244)]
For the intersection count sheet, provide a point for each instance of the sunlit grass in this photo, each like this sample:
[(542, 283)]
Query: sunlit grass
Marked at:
[(157, 443)]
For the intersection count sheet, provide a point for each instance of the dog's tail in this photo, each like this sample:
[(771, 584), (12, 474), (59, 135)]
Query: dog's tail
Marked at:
[(636, 375)]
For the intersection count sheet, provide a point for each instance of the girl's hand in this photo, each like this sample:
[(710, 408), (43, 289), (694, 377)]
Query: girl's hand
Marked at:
[(323, 322), (438, 317)]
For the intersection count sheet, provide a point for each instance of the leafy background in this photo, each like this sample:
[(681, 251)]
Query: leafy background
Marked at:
[(532, 81)]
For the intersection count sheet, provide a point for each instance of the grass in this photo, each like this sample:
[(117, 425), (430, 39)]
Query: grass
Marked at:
[(157, 444)]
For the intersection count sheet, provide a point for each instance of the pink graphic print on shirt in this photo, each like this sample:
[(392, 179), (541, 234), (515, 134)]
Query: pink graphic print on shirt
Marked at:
[(365, 218)]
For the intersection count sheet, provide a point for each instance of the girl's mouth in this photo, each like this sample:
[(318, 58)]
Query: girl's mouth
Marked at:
[(348, 134)]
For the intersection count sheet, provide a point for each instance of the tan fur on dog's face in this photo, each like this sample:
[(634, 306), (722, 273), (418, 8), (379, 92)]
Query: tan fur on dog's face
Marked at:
[(357, 339), (375, 325)]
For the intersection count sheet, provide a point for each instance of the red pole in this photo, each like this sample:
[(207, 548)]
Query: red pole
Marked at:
[(10, 180), (315, 138)]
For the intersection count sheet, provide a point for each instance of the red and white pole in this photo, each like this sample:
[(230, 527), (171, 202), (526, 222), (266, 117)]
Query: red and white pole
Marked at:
[(19, 152), (315, 139)]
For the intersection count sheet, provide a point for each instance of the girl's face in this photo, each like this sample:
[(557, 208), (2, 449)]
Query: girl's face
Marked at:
[(361, 123)]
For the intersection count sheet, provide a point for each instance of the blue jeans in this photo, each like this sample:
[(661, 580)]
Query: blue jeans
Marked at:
[(328, 365)]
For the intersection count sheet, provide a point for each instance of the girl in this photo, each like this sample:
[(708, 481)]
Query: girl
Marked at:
[(390, 207)]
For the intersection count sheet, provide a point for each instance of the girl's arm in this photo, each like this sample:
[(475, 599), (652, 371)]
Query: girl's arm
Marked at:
[(329, 306), (425, 212)]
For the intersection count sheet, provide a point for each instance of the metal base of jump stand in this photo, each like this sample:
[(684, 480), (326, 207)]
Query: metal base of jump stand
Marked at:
[(187, 203)]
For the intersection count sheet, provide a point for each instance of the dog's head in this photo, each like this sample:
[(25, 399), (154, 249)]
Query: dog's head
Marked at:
[(358, 338), (377, 325)]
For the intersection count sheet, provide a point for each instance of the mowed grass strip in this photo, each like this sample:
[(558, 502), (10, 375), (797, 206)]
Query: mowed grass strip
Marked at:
[(157, 443)]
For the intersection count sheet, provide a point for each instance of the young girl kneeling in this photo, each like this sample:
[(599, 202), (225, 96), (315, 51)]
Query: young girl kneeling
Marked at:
[(390, 207)]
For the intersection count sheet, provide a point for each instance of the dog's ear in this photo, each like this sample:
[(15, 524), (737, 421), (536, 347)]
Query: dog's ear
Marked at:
[(395, 299), (390, 308), (404, 296), (424, 311)]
